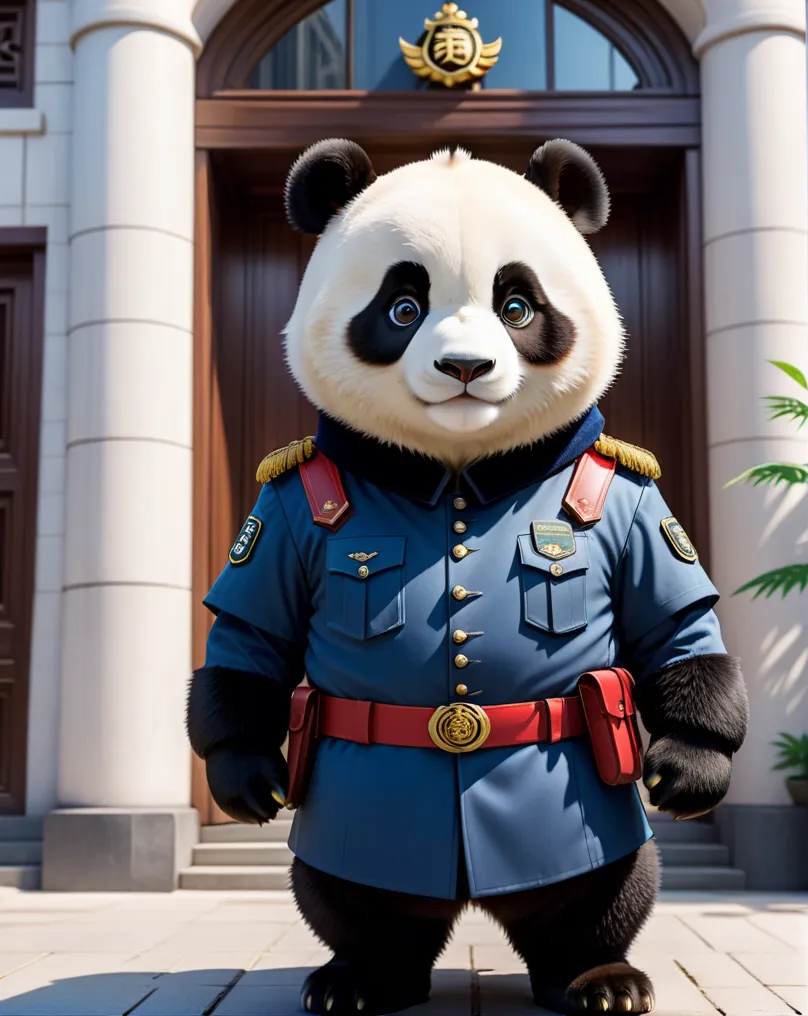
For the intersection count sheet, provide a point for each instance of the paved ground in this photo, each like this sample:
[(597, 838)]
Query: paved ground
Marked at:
[(245, 954)]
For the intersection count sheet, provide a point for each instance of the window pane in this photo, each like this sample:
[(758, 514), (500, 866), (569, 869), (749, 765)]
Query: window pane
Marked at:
[(378, 63), (312, 55), (585, 60)]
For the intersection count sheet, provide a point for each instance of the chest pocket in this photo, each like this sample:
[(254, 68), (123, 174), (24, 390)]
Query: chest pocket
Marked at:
[(365, 597), (554, 603)]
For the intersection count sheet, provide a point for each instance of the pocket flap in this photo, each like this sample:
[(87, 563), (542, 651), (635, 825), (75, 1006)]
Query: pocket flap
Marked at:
[(376, 553), (302, 707), (612, 689), (576, 562)]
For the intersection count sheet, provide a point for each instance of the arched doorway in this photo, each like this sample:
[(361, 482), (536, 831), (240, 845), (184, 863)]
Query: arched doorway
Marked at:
[(275, 77)]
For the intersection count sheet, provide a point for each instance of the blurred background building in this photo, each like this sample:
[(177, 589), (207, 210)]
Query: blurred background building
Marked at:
[(146, 272)]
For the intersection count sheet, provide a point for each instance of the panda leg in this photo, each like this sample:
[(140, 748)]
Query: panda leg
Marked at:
[(574, 935), (385, 943)]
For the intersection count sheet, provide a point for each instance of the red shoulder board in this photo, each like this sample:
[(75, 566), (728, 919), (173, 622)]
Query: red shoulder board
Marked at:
[(323, 485), (586, 494)]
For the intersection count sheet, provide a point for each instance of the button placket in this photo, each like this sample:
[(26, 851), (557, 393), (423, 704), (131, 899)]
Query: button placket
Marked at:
[(460, 594)]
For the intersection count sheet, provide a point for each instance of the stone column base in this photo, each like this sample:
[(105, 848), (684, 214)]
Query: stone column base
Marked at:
[(767, 841), (117, 849)]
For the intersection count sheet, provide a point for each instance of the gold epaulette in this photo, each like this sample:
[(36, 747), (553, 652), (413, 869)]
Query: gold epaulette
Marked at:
[(278, 462), (629, 455)]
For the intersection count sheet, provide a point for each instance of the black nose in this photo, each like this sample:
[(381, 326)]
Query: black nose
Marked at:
[(464, 369)]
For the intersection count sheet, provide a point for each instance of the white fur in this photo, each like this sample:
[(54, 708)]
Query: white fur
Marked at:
[(462, 219)]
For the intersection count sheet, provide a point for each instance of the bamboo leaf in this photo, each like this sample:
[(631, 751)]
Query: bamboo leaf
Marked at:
[(782, 580), (793, 372), (792, 409), (773, 473)]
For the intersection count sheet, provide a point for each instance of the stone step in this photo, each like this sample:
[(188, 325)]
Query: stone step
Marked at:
[(276, 831), (235, 876), (691, 831), (689, 855), (703, 879), (242, 853), (21, 876), (20, 827), (20, 852)]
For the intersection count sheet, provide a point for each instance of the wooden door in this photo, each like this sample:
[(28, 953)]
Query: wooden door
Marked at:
[(21, 325), (257, 267)]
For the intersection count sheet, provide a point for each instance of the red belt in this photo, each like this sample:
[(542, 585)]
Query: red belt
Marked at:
[(459, 727)]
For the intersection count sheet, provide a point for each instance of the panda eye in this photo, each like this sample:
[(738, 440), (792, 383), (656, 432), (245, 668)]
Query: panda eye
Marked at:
[(516, 312), (405, 311)]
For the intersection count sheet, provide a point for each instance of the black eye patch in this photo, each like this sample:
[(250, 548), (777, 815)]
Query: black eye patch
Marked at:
[(549, 335), (376, 337)]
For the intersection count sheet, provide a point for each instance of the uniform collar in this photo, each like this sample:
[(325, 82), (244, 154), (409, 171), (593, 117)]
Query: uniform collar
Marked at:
[(423, 479)]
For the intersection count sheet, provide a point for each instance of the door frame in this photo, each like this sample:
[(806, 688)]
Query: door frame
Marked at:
[(287, 122)]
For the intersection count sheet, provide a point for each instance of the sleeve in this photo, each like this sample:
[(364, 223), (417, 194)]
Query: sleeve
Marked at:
[(663, 600), (236, 645), (264, 583)]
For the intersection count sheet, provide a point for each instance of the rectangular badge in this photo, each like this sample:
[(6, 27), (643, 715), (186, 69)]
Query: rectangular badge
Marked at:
[(553, 539), (245, 541)]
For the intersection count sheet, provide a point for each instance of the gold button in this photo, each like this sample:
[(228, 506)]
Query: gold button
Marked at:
[(363, 571), (461, 689), (460, 592), (460, 637), (556, 569), (460, 551), (460, 503), (461, 661), (460, 527)]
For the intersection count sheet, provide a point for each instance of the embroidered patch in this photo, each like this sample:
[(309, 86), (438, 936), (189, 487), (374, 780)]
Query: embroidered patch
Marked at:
[(679, 540), (246, 540), (361, 556), (553, 539)]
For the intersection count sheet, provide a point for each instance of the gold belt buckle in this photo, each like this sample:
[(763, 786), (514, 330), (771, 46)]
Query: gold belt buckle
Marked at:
[(459, 727)]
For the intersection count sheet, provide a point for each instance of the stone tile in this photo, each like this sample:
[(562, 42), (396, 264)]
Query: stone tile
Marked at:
[(96, 998), (279, 1000), (289, 976), (66, 968), (776, 968), (500, 959), (11, 215), (506, 994), (54, 63), (734, 934), (177, 999), (213, 937), (87, 937), (212, 968), (745, 1000), (56, 102), (47, 169), (797, 997), (13, 961), (716, 970), (11, 171), (675, 992), (669, 933), (789, 928), (52, 21)]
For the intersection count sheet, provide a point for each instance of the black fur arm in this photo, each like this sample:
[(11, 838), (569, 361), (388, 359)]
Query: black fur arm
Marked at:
[(704, 695), (235, 709)]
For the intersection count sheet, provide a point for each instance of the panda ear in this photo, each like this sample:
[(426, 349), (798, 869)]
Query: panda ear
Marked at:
[(572, 178), (323, 180)]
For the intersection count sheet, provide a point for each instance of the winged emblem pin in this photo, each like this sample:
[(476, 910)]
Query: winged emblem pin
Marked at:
[(361, 556)]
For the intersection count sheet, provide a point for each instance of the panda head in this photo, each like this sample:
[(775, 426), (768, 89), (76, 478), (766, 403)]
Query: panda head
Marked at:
[(452, 307)]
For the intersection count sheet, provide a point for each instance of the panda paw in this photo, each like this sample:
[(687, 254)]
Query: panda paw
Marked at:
[(339, 988), (686, 777), (614, 988)]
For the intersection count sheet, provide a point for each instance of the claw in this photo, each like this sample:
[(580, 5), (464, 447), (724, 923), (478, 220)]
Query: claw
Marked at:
[(585, 1002), (307, 1003), (624, 1003), (329, 1002), (694, 814), (652, 781), (647, 1002), (360, 1003), (603, 1003)]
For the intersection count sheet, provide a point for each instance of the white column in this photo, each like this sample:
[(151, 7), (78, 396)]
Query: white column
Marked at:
[(127, 616), (756, 282)]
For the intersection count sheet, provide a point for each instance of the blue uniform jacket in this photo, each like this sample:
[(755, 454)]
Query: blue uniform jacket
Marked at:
[(398, 818)]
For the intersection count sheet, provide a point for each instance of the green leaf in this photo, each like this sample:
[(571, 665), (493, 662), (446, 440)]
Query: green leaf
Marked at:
[(793, 372), (773, 473), (792, 409), (781, 580)]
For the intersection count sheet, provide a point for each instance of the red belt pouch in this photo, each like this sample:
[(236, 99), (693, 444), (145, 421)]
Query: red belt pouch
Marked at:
[(608, 702), (304, 721)]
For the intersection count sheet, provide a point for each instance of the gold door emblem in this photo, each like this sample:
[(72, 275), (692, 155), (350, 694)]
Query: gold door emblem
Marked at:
[(452, 51), (459, 727)]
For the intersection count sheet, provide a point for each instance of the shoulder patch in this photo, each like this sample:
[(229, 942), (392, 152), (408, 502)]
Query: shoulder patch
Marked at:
[(282, 459), (629, 455), (245, 541), (679, 540)]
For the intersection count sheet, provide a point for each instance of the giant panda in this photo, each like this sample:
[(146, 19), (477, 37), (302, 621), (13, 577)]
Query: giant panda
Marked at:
[(455, 331)]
